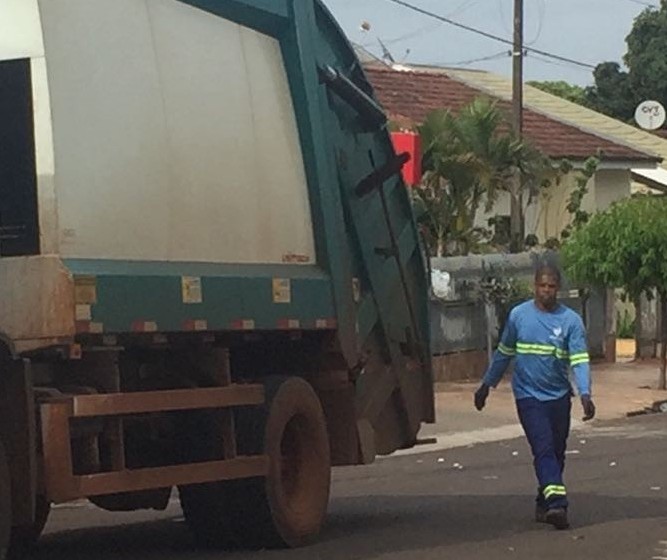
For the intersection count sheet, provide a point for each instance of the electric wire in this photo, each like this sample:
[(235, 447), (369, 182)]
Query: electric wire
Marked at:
[(490, 35), (495, 56)]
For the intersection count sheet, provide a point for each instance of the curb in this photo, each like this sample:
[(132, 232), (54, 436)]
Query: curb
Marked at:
[(658, 407), (446, 441)]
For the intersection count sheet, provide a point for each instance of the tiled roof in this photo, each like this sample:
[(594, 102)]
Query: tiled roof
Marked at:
[(408, 96), (585, 118)]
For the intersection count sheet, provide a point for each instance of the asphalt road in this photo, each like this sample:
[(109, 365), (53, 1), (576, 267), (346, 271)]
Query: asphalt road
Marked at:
[(467, 503)]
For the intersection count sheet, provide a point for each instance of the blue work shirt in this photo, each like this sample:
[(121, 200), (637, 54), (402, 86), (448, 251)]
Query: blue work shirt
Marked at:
[(544, 345)]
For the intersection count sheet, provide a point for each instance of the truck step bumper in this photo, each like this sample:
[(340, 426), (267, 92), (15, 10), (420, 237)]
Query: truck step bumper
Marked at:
[(62, 485)]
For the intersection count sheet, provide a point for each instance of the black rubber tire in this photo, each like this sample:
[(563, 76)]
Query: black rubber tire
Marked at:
[(24, 538), (5, 504), (207, 513), (287, 508)]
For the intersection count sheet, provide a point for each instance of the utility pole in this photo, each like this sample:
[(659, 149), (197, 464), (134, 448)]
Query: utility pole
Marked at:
[(516, 203), (517, 69)]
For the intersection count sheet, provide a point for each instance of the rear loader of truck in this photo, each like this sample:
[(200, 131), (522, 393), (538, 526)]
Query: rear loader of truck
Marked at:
[(210, 275)]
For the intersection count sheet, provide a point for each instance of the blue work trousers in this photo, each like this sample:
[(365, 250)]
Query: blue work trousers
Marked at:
[(547, 426)]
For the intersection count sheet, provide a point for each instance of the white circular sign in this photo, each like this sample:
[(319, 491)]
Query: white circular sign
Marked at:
[(650, 115)]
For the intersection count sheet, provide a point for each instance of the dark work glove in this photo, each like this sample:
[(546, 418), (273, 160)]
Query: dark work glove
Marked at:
[(589, 408), (480, 396)]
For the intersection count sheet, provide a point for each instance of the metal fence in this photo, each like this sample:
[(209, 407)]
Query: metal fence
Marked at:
[(460, 323)]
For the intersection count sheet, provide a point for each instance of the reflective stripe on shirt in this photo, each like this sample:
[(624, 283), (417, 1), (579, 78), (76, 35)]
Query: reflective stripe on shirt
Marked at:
[(541, 350), (581, 358), (506, 350)]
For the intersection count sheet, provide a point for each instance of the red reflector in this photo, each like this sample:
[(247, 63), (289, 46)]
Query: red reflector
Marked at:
[(409, 142)]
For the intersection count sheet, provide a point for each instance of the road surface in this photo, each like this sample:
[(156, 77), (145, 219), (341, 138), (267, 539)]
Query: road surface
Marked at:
[(468, 503)]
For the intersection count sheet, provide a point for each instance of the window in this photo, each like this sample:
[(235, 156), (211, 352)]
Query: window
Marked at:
[(19, 227), (501, 229)]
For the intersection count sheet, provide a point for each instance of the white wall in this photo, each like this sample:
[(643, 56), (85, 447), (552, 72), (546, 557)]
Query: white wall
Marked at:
[(548, 215), (174, 134), (611, 185), (500, 208), (551, 215)]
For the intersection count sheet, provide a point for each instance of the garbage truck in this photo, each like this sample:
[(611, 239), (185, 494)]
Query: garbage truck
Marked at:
[(211, 280)]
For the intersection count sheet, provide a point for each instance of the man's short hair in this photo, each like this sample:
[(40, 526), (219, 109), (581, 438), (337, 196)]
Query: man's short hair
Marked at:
[(547, 270)]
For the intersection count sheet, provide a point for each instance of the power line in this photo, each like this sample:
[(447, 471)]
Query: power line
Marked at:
[(489, 35), (502, 19), (431, 27), (502, 54), (419, 31), (557, 62), (540, 25), (642, 3), (540, 21), (462, 8)]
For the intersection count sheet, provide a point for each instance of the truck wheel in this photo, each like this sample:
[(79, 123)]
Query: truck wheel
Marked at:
[(286, 508), (5, 504), (206, 509), (23, 538)]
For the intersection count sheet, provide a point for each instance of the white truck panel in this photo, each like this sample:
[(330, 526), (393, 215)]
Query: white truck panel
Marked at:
[(20, 32), (110, 142), (174, 134), (44, 162)]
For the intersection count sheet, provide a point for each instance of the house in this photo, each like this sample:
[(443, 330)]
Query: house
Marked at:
[(408, 94), (590, 120)]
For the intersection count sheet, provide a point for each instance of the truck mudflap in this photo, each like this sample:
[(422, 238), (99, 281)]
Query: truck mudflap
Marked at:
[(62, 485)]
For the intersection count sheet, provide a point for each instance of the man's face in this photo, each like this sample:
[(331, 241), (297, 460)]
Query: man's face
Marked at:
[(546, 288)]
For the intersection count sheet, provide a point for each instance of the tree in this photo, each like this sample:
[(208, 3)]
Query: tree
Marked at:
[(647, 45), (469, 158), (537, 174), (625, 247), (617, 92), (465, 162), (571, 92), (578, 216), (612, 94)]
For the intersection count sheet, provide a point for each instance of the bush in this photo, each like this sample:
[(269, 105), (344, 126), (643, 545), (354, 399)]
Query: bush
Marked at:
[(625, 326)]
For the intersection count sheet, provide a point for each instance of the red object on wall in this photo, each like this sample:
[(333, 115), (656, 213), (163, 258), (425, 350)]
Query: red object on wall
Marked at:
[(411, 143)]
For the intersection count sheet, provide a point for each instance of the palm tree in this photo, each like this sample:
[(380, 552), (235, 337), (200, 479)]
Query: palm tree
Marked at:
[(469, 158)]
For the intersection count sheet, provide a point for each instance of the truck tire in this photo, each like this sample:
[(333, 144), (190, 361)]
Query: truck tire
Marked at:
[(287, 508), (5, 504), (23, 538)]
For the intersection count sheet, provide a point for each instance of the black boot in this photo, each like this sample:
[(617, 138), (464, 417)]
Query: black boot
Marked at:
[(540, 514), (558, 518)]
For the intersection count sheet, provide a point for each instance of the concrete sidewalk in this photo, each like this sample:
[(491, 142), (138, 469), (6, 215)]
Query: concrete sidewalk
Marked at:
[(618, 389)]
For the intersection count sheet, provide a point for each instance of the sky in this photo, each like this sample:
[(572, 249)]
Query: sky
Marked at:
[(588, 31)]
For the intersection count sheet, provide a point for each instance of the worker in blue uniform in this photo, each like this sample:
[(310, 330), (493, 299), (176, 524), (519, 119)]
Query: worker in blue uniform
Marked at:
[(546, 339)]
